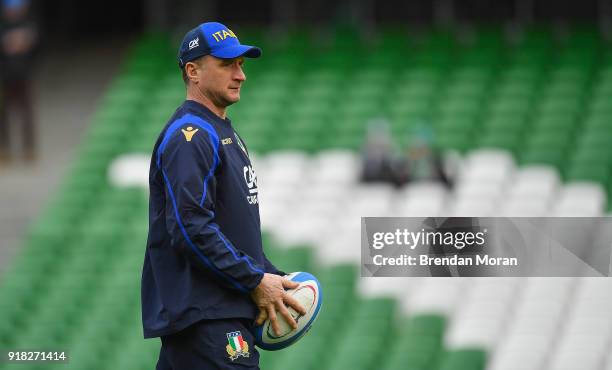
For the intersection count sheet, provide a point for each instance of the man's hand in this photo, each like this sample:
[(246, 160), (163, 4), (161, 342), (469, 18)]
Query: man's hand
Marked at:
[(270, 296)]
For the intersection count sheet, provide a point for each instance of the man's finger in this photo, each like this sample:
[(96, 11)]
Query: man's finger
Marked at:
[(273, 320), (288, 284), (261, 317), (280, 306), (292, 302)]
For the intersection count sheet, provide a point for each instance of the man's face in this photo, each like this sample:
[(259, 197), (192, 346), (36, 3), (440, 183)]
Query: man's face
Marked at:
[(220, 79)]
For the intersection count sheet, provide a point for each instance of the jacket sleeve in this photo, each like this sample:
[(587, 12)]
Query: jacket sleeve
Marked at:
[(188, 161), (271, 269)]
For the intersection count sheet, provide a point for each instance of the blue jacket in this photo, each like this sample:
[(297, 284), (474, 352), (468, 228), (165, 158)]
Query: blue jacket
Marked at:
[(204, 252)]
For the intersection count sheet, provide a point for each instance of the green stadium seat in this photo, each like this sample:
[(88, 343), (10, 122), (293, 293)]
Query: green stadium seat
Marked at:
[(569, 106), (550, 139), (554, 122), (506, 123), (595, 172), (463, 360), (458, 141), (460, 105), (543, 155), (510, 105), (508, 140)]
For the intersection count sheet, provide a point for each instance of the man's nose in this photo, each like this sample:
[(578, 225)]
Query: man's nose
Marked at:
[(239, 74)]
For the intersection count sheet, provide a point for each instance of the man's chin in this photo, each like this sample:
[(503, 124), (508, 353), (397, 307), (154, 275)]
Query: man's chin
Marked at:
[(232, 99)]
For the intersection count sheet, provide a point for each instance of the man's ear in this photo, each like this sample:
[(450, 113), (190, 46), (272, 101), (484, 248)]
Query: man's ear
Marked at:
[(193, 70)]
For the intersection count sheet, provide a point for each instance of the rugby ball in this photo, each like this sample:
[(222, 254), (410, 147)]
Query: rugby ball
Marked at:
[(309, 294)]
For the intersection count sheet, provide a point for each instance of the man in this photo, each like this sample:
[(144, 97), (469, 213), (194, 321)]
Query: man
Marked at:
[(205, 273), (17, 50)]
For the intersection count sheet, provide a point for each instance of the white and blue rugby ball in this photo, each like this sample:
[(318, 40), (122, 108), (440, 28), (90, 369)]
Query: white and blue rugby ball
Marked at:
[(309, 294)]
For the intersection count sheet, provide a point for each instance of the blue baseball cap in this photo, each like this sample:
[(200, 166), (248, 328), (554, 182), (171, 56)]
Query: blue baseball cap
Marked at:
[(213, 38)]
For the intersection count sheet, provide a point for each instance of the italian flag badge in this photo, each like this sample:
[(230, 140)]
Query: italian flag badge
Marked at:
[(237, 346)]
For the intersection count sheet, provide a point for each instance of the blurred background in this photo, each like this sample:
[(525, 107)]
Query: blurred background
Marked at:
[(357, 108)]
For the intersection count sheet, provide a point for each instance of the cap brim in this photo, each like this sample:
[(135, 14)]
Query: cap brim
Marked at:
[(236, 51)]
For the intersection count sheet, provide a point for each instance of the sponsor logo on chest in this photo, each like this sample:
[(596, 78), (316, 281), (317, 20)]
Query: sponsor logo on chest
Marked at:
[(251, 181)]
